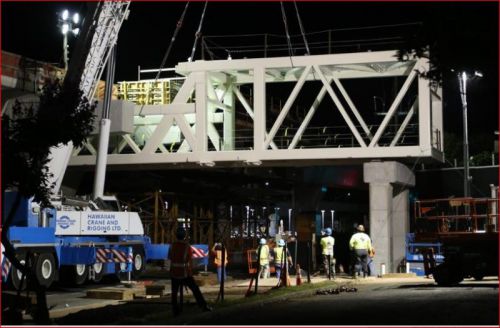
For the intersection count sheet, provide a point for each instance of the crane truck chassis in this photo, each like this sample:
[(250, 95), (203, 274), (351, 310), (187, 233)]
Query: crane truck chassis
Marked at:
[(79, 245)]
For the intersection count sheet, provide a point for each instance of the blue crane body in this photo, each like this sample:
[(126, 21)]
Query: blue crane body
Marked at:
[(78, 245)]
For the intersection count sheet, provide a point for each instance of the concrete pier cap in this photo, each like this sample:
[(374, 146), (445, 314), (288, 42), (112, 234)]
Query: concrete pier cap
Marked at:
[(388, 172), (389, 211)]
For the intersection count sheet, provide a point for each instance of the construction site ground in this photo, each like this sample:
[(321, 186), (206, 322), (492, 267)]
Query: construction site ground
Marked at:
[(397, 299)]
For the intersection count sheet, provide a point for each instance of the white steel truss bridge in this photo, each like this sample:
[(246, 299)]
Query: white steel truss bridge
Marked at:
[(223, 114)]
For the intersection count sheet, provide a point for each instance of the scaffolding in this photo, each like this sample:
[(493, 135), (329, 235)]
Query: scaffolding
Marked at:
[(161, 219), (149, 92)]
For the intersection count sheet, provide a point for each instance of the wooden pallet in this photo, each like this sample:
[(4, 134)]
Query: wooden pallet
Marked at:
[(110, 293)]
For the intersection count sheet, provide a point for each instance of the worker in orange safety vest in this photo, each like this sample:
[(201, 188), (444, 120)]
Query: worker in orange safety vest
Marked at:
[(181, 273), (217, 251)]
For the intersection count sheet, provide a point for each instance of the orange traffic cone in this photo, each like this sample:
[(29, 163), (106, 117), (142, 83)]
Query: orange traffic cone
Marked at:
[(298, 276)]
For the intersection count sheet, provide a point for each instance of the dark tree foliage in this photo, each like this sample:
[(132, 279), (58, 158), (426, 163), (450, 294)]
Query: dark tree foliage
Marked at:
[(422, 44), (63, 115)]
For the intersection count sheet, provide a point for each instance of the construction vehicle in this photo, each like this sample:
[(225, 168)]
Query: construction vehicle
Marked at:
[(81, 239), (458, 238), (78, 244)]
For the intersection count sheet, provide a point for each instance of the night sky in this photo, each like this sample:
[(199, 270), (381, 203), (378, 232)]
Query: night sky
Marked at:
[(468, 34)]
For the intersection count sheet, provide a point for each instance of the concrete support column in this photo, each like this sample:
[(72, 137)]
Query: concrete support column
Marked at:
[(400, 223), (380, 227), (389, 211)]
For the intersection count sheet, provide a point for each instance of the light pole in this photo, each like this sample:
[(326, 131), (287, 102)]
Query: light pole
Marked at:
[(290, 219), (68, 24), (463, 77)]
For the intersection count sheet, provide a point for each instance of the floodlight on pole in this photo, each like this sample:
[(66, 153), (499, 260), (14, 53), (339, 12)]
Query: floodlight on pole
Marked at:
[(65, 29), (67, 25), (290, 219)]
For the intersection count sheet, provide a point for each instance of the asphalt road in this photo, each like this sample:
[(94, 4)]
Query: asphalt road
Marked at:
[(405, 301), (415, 302)]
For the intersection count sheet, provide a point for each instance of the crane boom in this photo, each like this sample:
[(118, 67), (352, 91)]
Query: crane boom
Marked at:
[(100, 33), (110, 20)]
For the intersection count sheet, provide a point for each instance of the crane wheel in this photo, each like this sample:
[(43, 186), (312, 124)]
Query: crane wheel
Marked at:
[(138, 263), (446, 275), (45, 269), (74, 274), (16, 276), (98, 271)]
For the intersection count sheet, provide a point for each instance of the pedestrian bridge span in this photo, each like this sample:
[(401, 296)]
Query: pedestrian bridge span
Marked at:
[(281, 111)]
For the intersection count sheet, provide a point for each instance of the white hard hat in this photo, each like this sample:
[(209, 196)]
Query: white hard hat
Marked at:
[(281, 242), (263, 241)]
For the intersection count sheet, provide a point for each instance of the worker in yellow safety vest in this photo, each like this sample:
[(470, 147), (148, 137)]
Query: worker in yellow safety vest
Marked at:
[(217, 251), (264, 258), (327, 243), (279, 258), (181, 274), (360, 244)]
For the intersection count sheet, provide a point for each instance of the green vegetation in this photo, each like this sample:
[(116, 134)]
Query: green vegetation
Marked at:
[(273, 293)]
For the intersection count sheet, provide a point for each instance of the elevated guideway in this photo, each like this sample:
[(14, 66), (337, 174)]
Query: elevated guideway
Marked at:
[(220, 113)]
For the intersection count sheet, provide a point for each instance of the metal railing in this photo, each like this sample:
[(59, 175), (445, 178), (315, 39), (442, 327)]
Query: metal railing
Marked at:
[(330, 41), (456, 215)]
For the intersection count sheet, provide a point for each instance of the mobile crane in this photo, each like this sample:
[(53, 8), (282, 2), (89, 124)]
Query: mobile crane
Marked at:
[(77, 239)]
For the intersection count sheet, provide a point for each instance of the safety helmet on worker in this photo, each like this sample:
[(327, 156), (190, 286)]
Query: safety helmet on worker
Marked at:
[(263, 241), (180, 233), (328, 231), (281, 242), (360, 228)]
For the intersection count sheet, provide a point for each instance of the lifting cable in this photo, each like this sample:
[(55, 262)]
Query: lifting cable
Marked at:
[(198, 33), (167, 53), (283, 14), (301, 28)]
